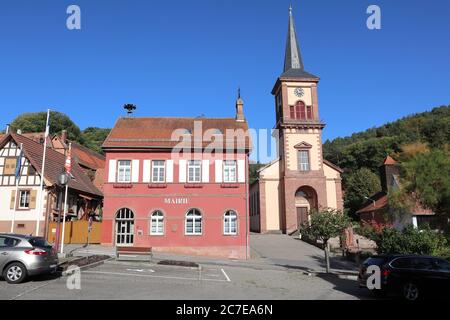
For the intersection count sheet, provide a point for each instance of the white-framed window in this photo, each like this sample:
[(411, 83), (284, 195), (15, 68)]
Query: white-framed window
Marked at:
[(157, 223), (193, 222), (303, 160), (229, 171), (194, 171), (24, 199), (124, 171), (230, 223), (158, 171)]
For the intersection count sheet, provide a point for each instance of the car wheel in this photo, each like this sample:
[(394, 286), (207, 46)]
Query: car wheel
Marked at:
[(15, 273), (411, 291)]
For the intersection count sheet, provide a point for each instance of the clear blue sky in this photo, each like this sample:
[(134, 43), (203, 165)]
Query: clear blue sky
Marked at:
[(187, 58)]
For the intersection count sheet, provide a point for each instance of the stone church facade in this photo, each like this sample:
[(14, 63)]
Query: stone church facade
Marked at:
[(299, 180)]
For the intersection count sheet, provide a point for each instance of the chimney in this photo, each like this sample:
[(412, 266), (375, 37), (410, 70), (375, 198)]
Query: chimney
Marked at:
[(64, 136), (240, 108), (7, 129)]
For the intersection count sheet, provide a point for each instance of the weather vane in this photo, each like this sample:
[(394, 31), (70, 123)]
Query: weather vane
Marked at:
[(130, 108)]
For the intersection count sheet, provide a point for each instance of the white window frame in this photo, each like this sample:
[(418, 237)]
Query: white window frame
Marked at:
[(157, 220), (158, 168), (196, 166), (303, 166), (27, 197), (228, 217), (121, 166), (197, 218), (228, 165)]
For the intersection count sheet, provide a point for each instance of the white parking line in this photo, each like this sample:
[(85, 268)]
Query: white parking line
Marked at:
[(153, 276), (226, 276)]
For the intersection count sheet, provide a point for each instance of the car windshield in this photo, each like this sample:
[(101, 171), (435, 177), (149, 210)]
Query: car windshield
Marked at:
[(378, 261), (39, 242)]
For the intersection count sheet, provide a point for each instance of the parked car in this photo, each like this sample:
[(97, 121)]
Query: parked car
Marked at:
[(22, 256), (412, 276)]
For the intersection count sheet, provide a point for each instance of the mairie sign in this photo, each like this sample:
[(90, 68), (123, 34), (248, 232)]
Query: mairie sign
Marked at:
[(175, 200)]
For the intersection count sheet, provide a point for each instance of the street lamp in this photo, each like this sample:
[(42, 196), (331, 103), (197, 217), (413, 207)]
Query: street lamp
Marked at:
[(63, 180)]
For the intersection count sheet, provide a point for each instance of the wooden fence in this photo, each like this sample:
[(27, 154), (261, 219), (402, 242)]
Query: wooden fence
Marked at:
[(76, 232)]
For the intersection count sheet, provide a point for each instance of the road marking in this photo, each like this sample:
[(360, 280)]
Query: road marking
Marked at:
[(226, 276), (151, 276)]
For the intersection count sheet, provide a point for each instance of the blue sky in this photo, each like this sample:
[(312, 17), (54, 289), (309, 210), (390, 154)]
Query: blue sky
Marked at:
[(187, 58)]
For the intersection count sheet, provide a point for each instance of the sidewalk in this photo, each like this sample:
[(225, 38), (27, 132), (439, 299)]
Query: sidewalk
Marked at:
[(268, 252)]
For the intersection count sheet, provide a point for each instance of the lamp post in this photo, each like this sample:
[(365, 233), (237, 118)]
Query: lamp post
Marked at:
[(63, 179)]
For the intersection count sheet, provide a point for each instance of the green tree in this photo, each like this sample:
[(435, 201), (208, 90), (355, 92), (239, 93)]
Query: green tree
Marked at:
[(358, 185), (93, 138), (35, 122), (324, 225), (253, 171), (409, 241), (426, 177)]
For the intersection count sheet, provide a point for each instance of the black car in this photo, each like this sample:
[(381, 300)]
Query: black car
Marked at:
[(411, 276)]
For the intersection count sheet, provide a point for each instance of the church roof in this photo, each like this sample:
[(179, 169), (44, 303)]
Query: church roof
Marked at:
[(389, 161)]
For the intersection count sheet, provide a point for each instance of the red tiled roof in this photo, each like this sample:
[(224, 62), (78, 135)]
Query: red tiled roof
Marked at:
[(381, 201), (157, 132), (54, 164), (87, 157), (389, 161)]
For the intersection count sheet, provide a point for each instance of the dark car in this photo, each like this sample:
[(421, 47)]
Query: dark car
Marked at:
[(22, 256), (411, 276)]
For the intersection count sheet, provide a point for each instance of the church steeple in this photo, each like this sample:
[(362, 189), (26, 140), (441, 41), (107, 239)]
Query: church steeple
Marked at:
[(293, 61), (293, 57)]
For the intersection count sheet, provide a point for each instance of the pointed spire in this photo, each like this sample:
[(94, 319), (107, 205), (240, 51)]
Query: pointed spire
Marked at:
[(293, 57)]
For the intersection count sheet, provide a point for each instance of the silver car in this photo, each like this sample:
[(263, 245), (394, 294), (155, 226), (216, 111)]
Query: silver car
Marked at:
[(22, 256)]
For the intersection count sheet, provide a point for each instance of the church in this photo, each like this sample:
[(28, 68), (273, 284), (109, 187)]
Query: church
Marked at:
[(299, 180)]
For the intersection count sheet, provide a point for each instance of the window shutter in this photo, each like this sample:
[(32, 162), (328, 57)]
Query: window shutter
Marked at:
[(169, 171), (182, 171), (135, 171), (205, 171), (13, 199), (33, 194), (112, 171), (219, 170), (241, 170), (146, 171)]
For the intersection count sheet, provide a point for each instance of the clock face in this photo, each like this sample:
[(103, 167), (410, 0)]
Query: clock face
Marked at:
[(299, 92)]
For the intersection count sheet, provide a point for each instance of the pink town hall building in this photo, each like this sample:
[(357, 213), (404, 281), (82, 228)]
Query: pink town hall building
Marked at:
[(178, 185)]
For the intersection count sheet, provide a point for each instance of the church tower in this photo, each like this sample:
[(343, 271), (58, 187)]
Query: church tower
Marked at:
[(299, 181), (303, 181)]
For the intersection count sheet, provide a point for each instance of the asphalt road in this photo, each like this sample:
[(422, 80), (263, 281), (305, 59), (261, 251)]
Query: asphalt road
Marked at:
[(135, 280)]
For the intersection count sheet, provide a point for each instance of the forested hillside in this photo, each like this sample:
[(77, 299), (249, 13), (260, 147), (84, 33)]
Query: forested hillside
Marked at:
[(369, 148)]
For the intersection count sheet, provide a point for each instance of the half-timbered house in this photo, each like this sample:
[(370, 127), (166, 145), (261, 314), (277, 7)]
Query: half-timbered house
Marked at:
[(83, 196)]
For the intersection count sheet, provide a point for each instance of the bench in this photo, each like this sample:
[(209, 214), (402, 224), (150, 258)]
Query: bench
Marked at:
[(131, 253)]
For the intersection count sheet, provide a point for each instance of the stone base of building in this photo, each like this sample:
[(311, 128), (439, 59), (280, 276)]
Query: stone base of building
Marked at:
[(228, 252), (22, 227)]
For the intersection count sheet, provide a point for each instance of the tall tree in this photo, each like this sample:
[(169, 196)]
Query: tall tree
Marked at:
[(35, 122), (324, 225), (360, 184), (426, 176)]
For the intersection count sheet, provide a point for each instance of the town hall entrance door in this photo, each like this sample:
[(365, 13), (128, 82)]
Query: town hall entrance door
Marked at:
[(124, 227)]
